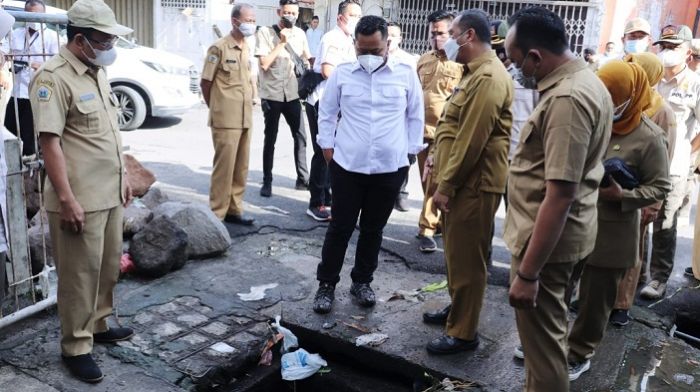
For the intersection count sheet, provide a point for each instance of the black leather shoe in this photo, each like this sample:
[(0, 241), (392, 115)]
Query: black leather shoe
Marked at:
[(439, 317), (84, 368), (266, 190), (301, 185), (401, 204), (113, 335), (323, 301), (239, 220), (448, 345), (364, 294)]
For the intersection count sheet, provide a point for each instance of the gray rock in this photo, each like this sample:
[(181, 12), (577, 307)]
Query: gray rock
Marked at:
[(154, 197), (136, 217), (37, 243), (159, 247), (206, 234), (32, 194)]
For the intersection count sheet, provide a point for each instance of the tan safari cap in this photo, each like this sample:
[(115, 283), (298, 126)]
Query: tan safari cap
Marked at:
[(95, 14), (695, 46), (675, 35), (638, 24)]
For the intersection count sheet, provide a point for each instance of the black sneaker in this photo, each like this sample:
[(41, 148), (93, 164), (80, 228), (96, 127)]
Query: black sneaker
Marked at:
[(576, 369), (689, 272), (113, 335), (323, 301), (619, 317), (364, 294), (266, 190), (319, 214), (84, 368), (401, 204), (301, 185), (426, 244)]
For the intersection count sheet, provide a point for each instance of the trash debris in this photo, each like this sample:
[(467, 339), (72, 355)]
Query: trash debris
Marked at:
[(299, 365), (684, 378), (290, 340), (257, 292), (433, 287), (275, 210), (126, 264), (356, 327), (329, 325), (358, 318), (447, 385), (411, 296), (324, 370), (266, 355), (372, 339)]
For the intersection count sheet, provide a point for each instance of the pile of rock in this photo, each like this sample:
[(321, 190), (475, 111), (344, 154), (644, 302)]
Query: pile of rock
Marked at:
[(161, 235)]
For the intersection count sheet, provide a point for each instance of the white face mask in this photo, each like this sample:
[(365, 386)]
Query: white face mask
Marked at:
[(370, 62), (670, 58), (394, 44), (36, 26), (452, 49), (247, 29), (636, 46), (102, 58), (619, 111), (350, 26)]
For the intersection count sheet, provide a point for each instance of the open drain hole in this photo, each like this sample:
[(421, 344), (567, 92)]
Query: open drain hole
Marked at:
[(687, 327)]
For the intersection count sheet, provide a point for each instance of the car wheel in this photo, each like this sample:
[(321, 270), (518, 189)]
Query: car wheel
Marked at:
[(131, 112)]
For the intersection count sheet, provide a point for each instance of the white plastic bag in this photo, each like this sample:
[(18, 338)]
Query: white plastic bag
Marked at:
[(290, 340), (300, 365)]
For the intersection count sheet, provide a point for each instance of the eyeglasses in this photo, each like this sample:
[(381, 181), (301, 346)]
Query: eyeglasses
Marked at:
[(104, 44)]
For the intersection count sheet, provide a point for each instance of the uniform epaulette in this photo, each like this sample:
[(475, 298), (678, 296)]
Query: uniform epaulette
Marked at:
[(54, 63)]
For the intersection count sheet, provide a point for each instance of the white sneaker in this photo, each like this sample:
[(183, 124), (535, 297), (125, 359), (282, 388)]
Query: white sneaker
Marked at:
[(577, 369), (518, 352), (654, 290)]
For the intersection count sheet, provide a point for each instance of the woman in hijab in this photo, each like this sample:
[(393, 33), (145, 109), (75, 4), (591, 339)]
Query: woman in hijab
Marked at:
[(661, 114), (639, 147)]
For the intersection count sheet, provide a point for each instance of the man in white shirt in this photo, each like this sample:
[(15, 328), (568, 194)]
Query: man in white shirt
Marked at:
[(314, 35), (680, 87), (31, 46), (381, 101), (337, 47)]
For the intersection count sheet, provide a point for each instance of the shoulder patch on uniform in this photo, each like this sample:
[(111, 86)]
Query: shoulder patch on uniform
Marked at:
[(44, 93), (45, 82), (213, 59)]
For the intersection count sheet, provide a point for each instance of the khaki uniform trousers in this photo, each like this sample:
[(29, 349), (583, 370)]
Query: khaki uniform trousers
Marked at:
[(696, 244), (597, 293), (88, 269), (467, 236), (628, 284), (429, 219), (230, 173), (543, 330)]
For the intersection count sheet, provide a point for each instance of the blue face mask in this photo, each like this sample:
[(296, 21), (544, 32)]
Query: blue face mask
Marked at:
[(636, 46)]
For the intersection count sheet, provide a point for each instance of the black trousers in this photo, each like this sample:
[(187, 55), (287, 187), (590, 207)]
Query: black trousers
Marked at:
[(371, 197), (403, 192), (319, 179), (291, 111), (26, 123)]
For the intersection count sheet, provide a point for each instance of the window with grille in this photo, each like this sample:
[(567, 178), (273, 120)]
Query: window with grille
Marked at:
[(182, 4)]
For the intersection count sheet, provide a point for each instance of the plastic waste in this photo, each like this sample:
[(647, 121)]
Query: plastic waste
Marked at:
[(371, 339), (299, 365), (290, 340), (126, 264)]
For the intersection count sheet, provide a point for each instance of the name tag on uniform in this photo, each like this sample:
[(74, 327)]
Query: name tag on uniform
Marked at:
[(87, 97), (230, 61)]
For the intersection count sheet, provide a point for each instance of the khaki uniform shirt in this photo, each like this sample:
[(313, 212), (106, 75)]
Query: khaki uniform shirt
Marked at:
[(75, 102), (564, 139), (666, 120), (227, 66), (644, 151), (473, 134), (439, 77), (279, 82)]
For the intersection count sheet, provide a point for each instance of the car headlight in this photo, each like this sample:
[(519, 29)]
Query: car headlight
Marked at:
[(166, 68)]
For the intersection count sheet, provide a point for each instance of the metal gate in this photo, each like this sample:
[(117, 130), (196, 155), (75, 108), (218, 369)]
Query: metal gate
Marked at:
[(582, 18)]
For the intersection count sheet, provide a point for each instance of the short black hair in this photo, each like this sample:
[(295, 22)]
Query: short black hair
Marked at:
[(588, 51), (479, 21), (315, 17), (608, 43), (393, 24), (370, 24), (439, 15), (289, 2), (236, 11), (345, 4), (538, 27), (72, 31)]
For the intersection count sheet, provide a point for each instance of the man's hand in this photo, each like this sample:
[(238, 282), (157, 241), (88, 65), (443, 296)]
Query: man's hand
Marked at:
[(5, 79), (612, 192), (523, 294), (427, 168), (72, 216), (328, 154), (284, 36), (442, 202), (128, 193), (649, 215)]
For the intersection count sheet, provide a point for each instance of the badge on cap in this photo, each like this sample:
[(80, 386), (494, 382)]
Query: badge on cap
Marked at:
[(44, 93)]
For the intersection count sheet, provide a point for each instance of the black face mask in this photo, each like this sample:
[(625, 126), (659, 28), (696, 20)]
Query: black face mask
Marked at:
[(288, 21)]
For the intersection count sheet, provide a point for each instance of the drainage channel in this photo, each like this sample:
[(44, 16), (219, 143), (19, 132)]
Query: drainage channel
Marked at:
[(687, 327), (352, 369)]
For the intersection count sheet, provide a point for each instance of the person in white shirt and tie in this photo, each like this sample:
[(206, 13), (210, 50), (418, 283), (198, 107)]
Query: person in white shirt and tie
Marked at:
[(31, 46), (314, 35), (381, 101)]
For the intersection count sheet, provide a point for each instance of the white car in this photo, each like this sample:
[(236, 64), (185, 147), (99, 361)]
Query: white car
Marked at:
[(147, 82)]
